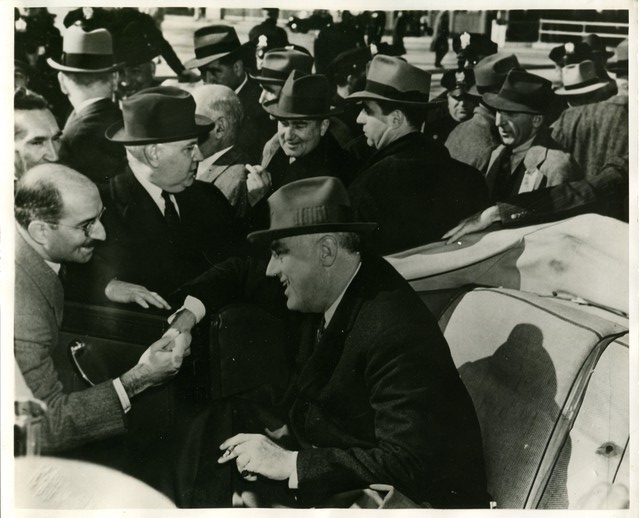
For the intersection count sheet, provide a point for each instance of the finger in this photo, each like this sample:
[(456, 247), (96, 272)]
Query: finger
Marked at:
[(140, 301), (250, 168), (453, 230), (234, 441), (157, 300), (456, 234), (162, 343), (249, 476)]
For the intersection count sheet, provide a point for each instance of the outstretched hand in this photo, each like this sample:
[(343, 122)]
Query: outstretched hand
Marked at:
[(258, 183), (126, 292), (476, 223)]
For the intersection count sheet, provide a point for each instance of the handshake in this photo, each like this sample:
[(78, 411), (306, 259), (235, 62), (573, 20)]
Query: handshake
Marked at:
[(161, 361)]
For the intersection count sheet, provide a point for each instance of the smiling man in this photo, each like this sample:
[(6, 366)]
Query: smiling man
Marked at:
[(36, 134), (58, 220), (373, 395), (164, 226)]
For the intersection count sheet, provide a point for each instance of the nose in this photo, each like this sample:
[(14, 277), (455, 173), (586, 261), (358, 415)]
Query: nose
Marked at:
[(360, 119), (272, 268), (288, 133), (499, 119), (51, 154), (98, 231), (263, 97), (197, 154)]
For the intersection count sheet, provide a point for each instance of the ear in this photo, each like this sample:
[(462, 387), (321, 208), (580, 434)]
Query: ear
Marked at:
[(238, 68), (328, 250), (537, 121), (397, 118), (39, 232), (221, 127), (152, 154), (324, 126), (62, 81)]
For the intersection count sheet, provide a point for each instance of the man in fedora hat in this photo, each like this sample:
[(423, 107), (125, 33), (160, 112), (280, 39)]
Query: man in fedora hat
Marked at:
[(220, 60), (527, 158), (366, 357), (580, 84), (86, 76), (598, 136), (410, 185), (164, 227), (469, 141), (223, 162), (305, 146)]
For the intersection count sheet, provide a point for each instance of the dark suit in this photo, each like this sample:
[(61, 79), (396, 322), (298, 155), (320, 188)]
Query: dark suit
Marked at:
[(257, 127), (139, 245), (416, 192), (377, 400), (84, 147), (73, 417)]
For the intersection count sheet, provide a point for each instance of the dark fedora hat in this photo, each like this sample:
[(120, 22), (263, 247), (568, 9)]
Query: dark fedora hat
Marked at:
[(303, 96), (279, 63), (491, 71), (393, 79), (580, 78), (521, 92), (212, 43), (88, 52), (133, 46), (570, 52), (158, 114), (310, 206), (620, 66), (458, 82)]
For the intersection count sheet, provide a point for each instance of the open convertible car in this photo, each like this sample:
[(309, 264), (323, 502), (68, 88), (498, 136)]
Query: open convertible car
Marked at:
[(537, 322)]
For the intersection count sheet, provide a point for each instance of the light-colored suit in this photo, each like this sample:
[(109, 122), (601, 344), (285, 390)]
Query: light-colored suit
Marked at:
[(72, 418)]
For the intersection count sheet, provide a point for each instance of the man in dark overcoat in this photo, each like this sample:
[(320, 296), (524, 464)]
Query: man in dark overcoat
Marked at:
[(410, 186), (373, 395)]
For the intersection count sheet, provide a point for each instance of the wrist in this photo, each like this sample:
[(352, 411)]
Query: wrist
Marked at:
[(136, 380)]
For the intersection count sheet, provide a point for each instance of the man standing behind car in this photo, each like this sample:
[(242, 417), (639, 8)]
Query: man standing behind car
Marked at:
[(57, 212)]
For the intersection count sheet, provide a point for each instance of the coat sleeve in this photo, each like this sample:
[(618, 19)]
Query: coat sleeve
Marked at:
[(71, 418)]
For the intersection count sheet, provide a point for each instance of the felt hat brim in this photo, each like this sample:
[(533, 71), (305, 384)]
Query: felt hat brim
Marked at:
[(577, 91), (117, 133), (364, 95), (63, 68), (272, 108), (266, 236), (500, 103), (200, 62)]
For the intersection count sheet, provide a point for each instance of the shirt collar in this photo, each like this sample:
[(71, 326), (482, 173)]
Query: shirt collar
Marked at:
[(246, 78), (205, 164), (154, 191), (328, 314)]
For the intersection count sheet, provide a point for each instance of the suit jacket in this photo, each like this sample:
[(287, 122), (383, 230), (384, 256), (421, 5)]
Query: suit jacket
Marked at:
[(73, 417), (378, 400), (257, 127), (229, 175), (544, 162), (84, 147), (471, 141), (139, 246), (415, 192)]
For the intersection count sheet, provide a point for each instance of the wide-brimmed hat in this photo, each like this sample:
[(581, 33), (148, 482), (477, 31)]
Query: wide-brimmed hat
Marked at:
[(393, 79), (580, 78), (133, 46), (88, 52), (279, 63), (521, 92), (212, 43), (158, 114), (303, 97), (597, 46), (352, 61), (491, 71), (620, 66), (310, 206)]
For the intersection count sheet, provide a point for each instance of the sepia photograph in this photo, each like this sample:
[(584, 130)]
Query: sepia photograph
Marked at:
[(321, 259)]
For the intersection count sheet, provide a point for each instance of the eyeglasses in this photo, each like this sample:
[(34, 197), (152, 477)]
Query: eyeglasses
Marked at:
[(87, 227)]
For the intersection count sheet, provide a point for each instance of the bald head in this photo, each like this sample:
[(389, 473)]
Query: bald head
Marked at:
[(42, 190), (221, 105)]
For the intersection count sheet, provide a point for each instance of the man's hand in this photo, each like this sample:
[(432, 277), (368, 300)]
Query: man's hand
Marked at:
[(183, 321), (255, 454), (258, 183), (158, 363), (479, 221), (126, 292)]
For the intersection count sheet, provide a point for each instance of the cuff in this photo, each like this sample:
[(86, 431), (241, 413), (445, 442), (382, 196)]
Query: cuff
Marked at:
[(122, 395), (192, 304), (293, 478)]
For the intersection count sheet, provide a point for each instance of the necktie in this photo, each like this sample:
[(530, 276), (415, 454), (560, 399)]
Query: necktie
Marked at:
[(170, 213), (320, 331), (62, 274), (498, 175)]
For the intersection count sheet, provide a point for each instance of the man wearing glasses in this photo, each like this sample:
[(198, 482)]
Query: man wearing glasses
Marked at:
[(57, 212)]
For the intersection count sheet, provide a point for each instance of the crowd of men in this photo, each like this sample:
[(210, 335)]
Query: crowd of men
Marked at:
[(135, 192)]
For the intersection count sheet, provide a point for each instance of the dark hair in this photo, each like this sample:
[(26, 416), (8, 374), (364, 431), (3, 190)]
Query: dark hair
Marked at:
[(415, 115), (350, 241), (89, 79), (40, 200), (24, 99)]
